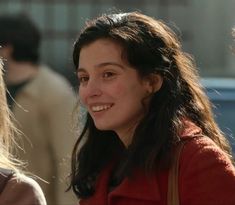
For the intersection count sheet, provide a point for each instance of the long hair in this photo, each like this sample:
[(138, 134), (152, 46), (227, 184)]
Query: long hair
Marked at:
[(7, 130), (150, 47)]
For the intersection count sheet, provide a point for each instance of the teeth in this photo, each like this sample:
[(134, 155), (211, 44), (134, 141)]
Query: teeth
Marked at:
[(100, 108)]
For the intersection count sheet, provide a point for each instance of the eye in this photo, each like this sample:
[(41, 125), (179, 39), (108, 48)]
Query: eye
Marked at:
[(108, 74), (83, 79)]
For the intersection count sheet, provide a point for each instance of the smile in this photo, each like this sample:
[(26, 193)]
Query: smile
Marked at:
[(99, 108)]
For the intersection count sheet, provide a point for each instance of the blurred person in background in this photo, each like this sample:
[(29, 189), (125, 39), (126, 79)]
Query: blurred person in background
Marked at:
[(42, 102), (15, 187), (144, 101)]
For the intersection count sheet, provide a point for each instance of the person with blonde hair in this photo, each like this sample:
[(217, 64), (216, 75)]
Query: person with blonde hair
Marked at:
[(150, 137), (15, 187), (42, 102)]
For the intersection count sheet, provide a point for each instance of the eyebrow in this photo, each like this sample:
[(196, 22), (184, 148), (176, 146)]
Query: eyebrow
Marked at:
[(102, 65)]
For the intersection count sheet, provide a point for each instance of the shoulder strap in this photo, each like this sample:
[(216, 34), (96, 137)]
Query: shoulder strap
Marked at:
[(173, 193), (5, 175)]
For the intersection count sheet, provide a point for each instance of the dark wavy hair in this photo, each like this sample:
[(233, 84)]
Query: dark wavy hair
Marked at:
[(150, 47), (22, 34)]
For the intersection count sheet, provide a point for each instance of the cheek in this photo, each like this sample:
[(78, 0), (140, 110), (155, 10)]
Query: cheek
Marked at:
[(118, 89), (129, 94)]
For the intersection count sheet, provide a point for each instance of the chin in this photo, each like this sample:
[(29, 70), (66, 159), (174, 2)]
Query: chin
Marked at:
[(102, 126)]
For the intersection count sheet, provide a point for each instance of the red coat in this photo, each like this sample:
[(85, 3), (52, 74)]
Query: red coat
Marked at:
[(206, 177)]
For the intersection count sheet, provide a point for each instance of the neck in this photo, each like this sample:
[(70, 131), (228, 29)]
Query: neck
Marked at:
[(18, 72), (126, 136), (126, 133)]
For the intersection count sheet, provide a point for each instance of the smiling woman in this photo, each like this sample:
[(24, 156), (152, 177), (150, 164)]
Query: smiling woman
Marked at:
[(108, 84), (143, 100)]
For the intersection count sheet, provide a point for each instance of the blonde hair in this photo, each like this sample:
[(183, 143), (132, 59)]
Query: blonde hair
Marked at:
[(7, 130)]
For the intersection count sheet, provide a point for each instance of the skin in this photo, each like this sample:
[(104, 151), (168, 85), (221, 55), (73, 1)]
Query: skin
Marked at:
[(111, 90)]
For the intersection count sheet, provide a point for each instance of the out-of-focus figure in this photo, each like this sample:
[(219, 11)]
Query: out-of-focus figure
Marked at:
[(42, 102), (15, 187)]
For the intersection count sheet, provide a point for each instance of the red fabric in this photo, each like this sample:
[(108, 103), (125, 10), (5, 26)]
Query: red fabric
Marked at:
[(206, 177)]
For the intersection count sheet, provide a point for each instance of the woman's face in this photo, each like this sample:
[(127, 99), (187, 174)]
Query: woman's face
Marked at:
[(110, 88)]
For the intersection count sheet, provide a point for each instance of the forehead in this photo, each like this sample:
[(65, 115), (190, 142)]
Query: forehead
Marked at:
[(100, 51)]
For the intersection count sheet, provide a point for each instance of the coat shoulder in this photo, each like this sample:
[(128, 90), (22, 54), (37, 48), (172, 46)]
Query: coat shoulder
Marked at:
[(207, 175), (22, 190), (204, 147)]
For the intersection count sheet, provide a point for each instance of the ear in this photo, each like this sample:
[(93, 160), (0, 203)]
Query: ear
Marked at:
[(153, 83)]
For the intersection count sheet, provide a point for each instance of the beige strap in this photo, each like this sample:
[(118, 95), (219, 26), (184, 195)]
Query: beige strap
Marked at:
[(173, 193)]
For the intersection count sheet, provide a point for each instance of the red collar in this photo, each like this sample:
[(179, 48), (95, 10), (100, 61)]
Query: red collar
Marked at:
[(138, 186)]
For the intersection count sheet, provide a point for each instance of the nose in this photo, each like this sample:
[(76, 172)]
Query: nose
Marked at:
[(91, 90)]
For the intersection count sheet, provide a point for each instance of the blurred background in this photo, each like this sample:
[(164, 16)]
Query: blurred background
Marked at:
[(204, 27)]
